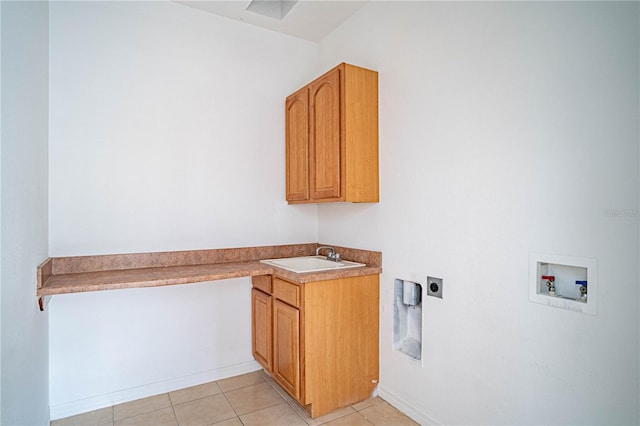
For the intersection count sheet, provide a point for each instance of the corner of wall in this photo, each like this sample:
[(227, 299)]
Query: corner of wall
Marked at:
[(24, 366)]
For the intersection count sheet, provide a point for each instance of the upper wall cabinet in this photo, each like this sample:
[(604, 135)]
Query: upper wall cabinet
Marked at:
[(332, 138)]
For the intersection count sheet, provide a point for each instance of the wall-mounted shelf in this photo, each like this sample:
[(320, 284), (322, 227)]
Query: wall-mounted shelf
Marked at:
[(565, 282)]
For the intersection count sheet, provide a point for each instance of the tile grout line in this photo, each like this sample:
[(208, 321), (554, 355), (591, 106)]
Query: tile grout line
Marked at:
[(274, 387), (293, 403), (222, 392), (264, 380), (173, 408), (232, 409)]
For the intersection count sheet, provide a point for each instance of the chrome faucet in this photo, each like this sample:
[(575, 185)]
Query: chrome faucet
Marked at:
[(332, 253)]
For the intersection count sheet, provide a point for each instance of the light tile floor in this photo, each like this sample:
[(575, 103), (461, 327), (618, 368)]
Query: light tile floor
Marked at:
[(249, 399)]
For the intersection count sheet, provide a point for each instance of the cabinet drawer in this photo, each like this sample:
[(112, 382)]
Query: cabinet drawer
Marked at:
[(287, 292), (262, 282)]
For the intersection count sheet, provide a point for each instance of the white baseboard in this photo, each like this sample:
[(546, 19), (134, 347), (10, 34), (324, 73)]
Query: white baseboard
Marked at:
[(85, 405), (416, 413)]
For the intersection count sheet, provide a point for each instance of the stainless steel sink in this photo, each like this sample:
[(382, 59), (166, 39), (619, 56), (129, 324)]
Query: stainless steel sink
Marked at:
[(311, 264)]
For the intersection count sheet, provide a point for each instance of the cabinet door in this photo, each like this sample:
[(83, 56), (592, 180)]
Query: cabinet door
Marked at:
[(324, 137), (286, 344), (261, 315), (297, 136)]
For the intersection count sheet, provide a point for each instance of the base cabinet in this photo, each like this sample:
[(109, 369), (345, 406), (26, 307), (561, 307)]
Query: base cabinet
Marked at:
[(321, 340)]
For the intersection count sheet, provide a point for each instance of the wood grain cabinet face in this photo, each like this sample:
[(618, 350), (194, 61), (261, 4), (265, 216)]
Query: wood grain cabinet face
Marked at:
[(262, 327), (297, 135), (324, 136), (332, 138), (324, 339), (286, 344)]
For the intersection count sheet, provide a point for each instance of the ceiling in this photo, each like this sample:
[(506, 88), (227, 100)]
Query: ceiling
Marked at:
[(308, 19)]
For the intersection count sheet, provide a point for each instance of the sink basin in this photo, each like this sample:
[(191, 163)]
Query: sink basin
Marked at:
[(311, 264)]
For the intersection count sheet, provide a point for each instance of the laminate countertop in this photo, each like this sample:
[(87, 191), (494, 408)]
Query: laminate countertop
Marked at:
[(76, 274)]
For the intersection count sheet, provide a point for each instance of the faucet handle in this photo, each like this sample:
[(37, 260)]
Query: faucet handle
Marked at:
[(333, 255)]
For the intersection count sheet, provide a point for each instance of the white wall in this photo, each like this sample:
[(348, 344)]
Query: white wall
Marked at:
[(0, 209), (23, 217), (167, 130), (505, 129)]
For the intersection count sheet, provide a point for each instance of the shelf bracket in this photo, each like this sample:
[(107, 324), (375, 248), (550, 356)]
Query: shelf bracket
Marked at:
[(43, 301), (43, 273)]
